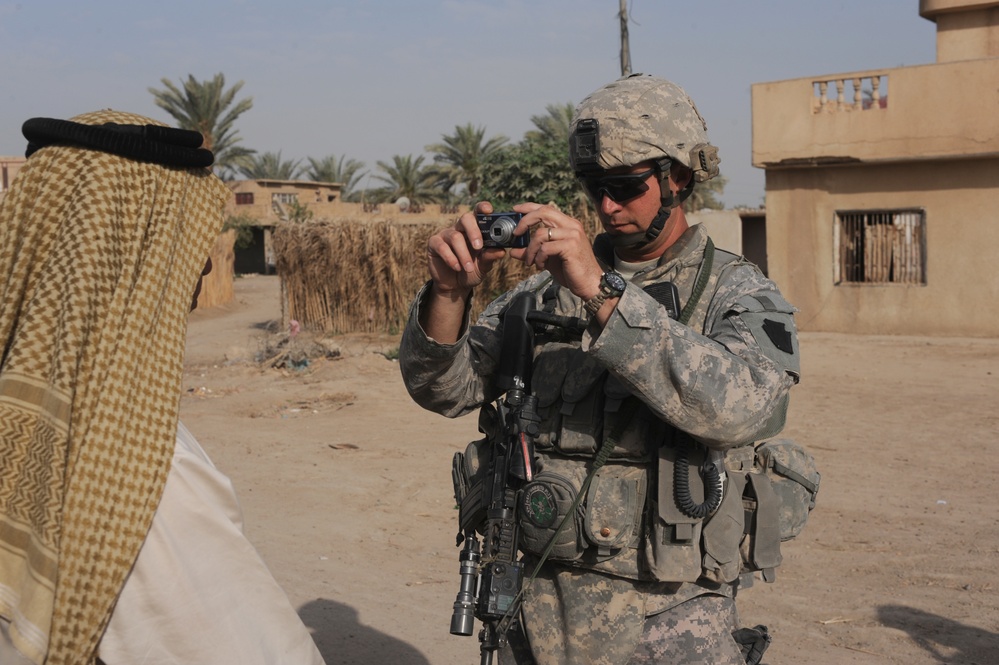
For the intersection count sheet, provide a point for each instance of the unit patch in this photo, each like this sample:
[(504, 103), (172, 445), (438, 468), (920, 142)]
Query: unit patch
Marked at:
[(538, 505), (778, 334)]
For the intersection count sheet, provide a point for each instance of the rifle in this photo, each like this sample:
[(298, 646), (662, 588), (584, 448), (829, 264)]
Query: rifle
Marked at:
[(491, 577)]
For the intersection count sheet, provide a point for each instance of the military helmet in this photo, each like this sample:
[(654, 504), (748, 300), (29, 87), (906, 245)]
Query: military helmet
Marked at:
[(640, 118)]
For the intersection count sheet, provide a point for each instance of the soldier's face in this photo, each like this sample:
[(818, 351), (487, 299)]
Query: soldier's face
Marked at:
[(628, 215)]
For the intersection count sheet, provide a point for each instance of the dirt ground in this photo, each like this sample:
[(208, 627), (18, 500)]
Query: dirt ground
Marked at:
[(346, 489)]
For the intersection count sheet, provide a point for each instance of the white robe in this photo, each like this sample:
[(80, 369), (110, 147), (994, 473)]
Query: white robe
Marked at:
[(199, 592)]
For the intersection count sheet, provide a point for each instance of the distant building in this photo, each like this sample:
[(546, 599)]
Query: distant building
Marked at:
[(882, 186), (270, 201), (267, 202), (740, 230), (9, 166)]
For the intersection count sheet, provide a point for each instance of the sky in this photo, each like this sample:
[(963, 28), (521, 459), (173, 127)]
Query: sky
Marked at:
[(371, 79)]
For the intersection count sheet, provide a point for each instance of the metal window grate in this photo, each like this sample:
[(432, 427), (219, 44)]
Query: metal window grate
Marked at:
[(880, 247), (284, 197)]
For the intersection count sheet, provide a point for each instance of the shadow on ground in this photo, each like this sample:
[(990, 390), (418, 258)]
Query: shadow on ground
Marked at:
[(945, 640), (342, 639)]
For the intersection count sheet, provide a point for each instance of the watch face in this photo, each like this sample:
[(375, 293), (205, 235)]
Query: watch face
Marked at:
[(615, 282)]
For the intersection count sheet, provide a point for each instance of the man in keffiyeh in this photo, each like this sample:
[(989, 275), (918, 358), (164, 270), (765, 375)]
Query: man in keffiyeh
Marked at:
[(118, 538)]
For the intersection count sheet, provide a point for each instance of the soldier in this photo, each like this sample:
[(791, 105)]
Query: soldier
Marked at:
[(671, 384)]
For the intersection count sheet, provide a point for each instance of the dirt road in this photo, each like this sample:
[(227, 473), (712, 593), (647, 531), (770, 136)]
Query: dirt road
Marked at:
[(346, 490)]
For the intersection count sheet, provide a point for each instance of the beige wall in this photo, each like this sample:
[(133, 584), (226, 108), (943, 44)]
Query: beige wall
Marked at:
[(932, 111), (741, 231), (966, 29), (930, 143), (961, 203), (9, 166), (963, 37), (724, 227), (313, 195)]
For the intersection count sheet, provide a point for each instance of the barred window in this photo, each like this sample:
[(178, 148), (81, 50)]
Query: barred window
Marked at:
[(880, 247), (244, 198), (284, 197)]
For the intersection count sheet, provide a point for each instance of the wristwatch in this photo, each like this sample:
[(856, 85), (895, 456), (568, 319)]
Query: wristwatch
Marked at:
[(611, 286)]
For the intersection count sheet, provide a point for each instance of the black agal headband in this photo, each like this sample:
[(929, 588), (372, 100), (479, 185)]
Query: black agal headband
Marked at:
[(167, 146)]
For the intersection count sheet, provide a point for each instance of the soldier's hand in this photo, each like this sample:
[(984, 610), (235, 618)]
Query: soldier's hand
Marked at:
[(455, 257), (559, 244)]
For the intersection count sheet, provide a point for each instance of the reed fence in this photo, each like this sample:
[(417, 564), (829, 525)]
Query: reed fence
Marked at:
[(347, 275), (217, 286)]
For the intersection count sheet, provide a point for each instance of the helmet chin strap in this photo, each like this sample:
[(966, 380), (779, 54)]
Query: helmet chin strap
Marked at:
[(666, 204), (643, 238)]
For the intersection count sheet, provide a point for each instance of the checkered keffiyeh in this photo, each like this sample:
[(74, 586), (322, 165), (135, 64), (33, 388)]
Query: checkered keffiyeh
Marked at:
[(99, 256)]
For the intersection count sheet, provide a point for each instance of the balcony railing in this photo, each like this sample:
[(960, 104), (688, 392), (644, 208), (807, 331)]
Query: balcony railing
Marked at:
[(866, 93)]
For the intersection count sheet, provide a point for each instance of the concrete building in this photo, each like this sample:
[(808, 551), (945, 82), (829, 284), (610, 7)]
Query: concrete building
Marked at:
[(270, 201), (9, 166), (741, 231), (260, 204), (882, 186)]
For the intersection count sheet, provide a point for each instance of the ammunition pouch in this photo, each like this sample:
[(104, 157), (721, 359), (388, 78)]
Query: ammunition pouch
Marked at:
[(578, 400), (604, 531), (723, 533), (673, 539), (770, 491), (543, 505)]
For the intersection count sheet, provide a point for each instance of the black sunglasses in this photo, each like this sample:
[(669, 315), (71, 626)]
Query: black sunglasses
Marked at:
[(619, 188)]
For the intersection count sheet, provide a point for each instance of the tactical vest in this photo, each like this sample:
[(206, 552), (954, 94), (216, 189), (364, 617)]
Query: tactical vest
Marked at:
[(582, 405), (628, 522)]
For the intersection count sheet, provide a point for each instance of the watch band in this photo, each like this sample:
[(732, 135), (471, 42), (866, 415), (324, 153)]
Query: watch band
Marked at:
[(611, 286), (592, 306)]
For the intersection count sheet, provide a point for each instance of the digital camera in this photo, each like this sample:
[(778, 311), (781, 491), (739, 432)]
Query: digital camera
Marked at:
[(497, 230)]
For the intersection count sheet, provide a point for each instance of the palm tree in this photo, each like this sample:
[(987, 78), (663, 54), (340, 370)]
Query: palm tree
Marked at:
[(207, 107), (554, 126), (332, 169), (536, 169), (463, 156), (270, 166), (406, 177), (705, 195)]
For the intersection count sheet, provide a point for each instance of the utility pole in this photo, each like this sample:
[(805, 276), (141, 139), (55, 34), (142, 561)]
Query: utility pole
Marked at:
[(625, 48)]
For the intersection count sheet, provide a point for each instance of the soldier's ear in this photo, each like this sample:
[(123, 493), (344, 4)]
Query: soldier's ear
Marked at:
[(681, 175)]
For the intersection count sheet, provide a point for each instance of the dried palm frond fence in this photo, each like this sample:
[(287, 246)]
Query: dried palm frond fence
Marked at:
[(217, 287), (347, 275)]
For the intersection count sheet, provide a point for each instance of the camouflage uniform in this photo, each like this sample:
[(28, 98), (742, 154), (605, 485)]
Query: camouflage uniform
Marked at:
[(721, 387), (629, 579)]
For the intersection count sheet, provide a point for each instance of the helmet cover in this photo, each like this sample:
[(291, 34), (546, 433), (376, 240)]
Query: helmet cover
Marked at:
[(640, 118)]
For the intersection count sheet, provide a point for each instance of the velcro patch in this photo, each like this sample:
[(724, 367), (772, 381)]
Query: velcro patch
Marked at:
[(778, 334)]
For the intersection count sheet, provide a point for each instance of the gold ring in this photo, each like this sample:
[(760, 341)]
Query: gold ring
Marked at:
[(549, 234)]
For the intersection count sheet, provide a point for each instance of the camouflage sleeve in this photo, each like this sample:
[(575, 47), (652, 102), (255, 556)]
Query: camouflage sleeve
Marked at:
[(724, 387), (453, 379)]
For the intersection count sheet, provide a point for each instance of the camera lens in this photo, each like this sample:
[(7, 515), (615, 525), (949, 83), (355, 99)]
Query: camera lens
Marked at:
[(502, 230)]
